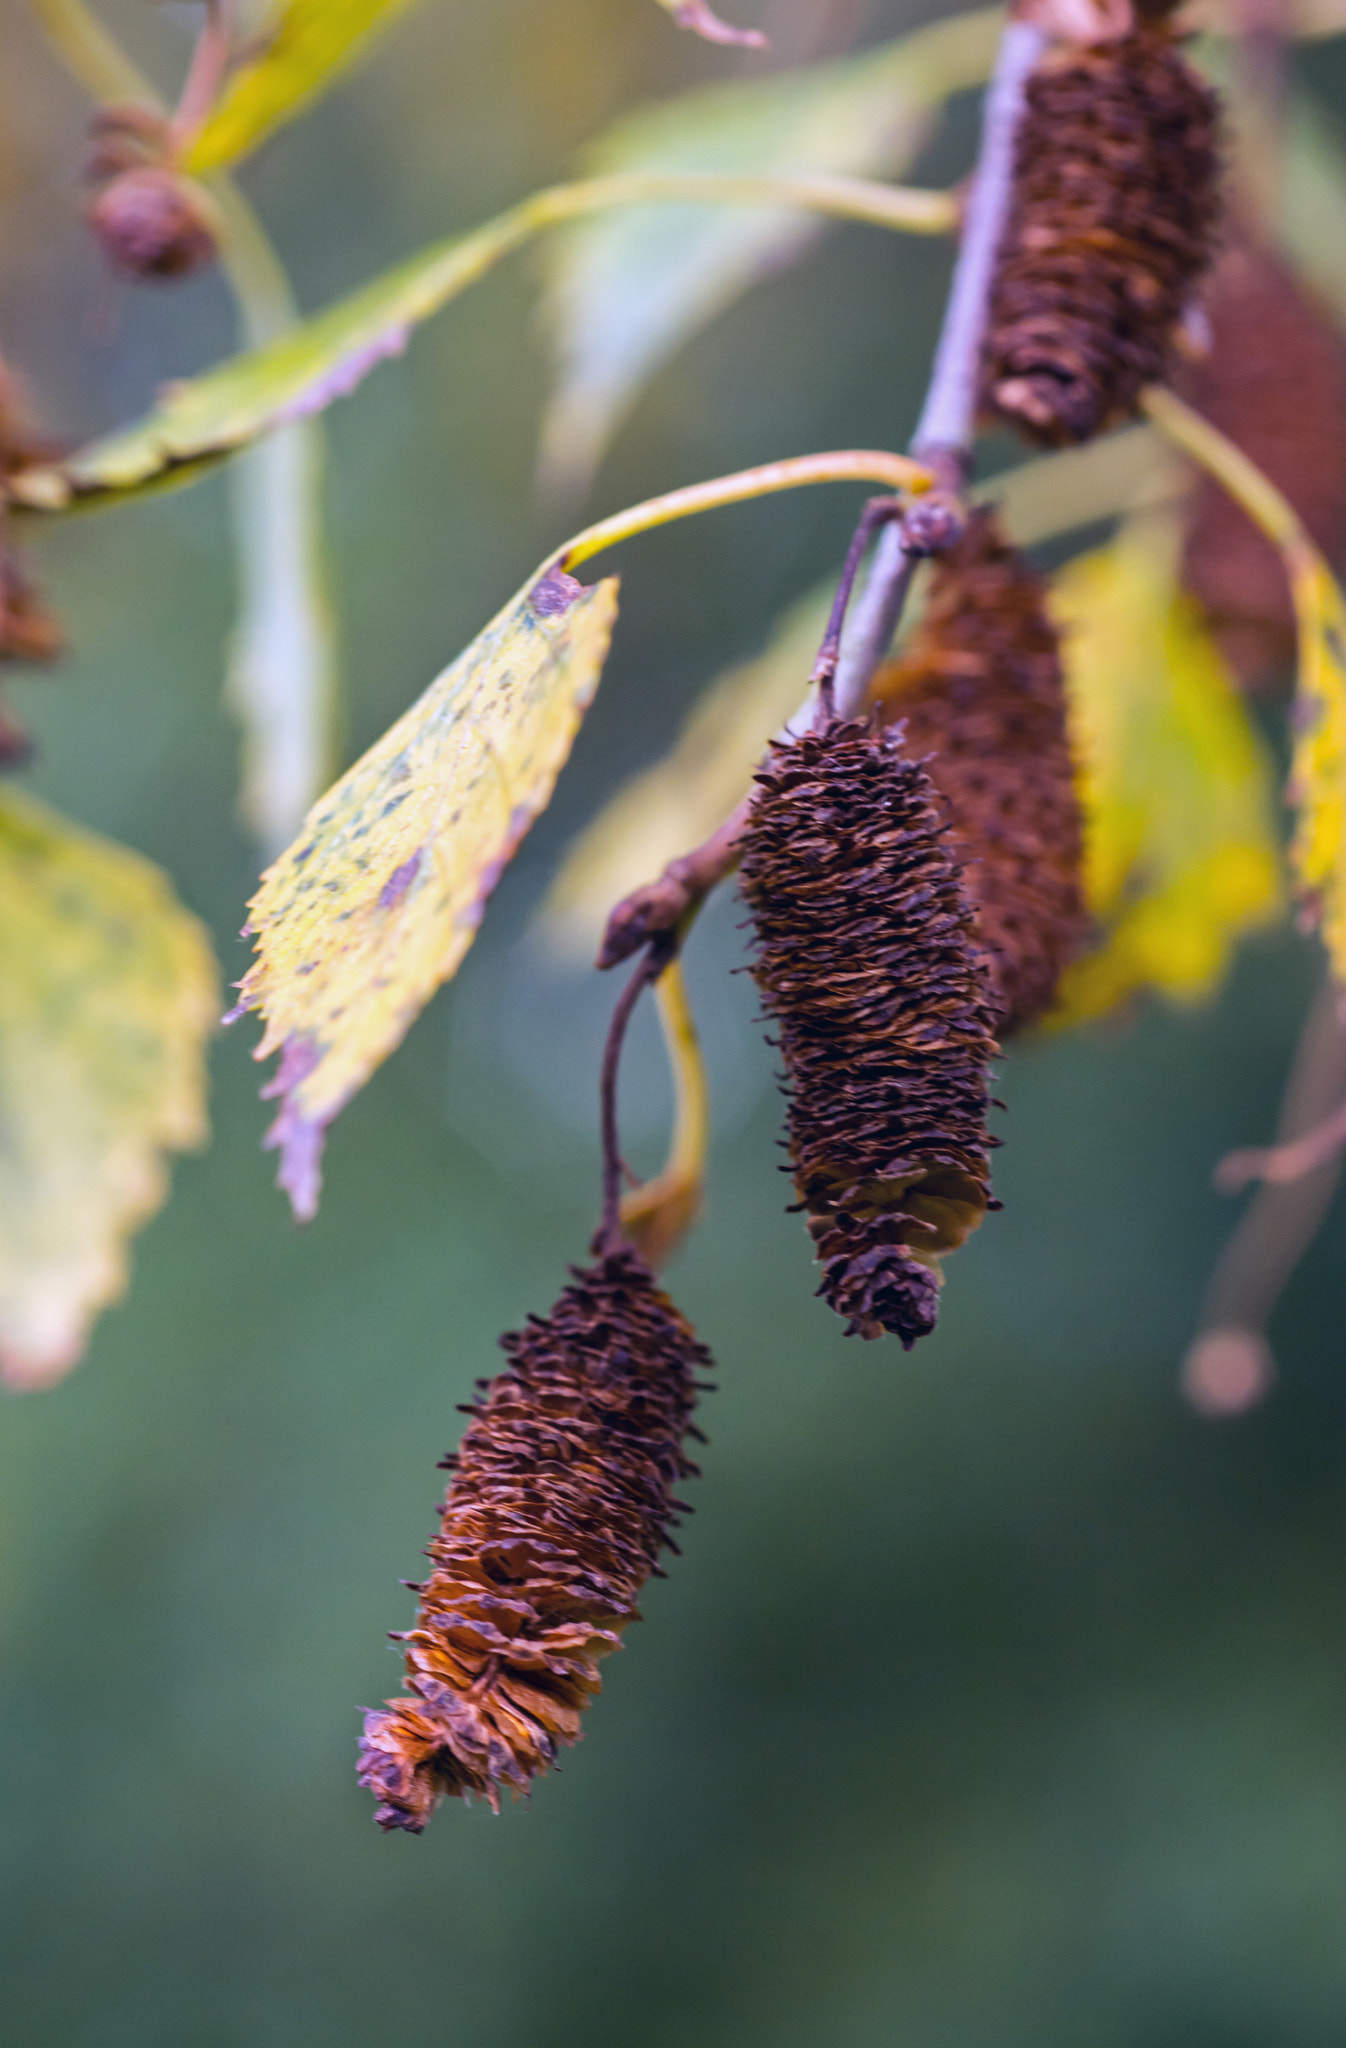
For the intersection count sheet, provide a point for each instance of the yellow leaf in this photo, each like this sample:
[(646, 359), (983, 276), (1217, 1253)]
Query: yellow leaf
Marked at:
[(312, 43), (107, 993), (1180, 850), (679, 802), (380, 896), (1318, 764)]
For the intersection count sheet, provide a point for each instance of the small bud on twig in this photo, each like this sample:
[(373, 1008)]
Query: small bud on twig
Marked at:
[(153, 223)]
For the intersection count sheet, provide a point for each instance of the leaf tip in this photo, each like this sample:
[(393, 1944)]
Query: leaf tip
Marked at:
[(298, 1138)]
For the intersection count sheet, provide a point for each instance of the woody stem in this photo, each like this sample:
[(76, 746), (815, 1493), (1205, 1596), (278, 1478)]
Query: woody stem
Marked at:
[(944, 433), (660, 952)]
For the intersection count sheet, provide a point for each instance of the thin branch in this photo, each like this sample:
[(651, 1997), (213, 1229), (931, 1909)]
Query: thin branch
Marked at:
[(610, 1234), (205, 73), (878, 512), (666, 904), (658, 1213), (948, 417), (1229, 1365), (947, 424)]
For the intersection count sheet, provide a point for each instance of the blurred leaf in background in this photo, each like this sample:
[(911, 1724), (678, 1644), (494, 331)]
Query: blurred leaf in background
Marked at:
[(1180, 850), (627, 291), (108, 992)]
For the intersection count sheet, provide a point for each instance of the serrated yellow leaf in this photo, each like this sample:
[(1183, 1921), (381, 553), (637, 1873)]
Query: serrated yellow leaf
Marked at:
[(313, 41), (1318, 764), (1180, 850), (108, 990), (380, 896)]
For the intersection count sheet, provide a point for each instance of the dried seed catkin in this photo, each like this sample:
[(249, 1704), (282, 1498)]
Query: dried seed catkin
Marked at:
[(982, 697), (865, 961), (561, 1499), (1113, 212), (1274, 380)]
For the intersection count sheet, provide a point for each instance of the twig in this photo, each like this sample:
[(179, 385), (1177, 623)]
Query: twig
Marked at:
[(610, 1234), (1229, 1365), (948, 417), (657, 1213), (1278, 1165), (879, 512), (205, 73), (666, 904), (945, 430), (940, 445)]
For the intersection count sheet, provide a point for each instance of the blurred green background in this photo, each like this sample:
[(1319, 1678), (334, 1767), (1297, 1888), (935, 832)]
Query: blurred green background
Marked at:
[(997, 1701)]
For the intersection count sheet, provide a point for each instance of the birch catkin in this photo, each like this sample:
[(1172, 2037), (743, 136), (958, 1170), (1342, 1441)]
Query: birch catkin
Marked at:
[(1113, 215), (562, 1496), (865, 962), (980, 693)]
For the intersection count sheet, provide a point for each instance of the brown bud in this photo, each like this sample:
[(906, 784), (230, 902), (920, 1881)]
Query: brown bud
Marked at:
[(1113, 211), (980, 691), (15, 745), (865, 961), (125, 138), (1274, 380), (561, 1499), (28, 632), (152, 223)]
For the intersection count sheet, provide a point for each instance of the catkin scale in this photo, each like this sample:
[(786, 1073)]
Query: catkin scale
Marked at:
[(864, 961), (561, 1499), (1113, 211), (981, 695)]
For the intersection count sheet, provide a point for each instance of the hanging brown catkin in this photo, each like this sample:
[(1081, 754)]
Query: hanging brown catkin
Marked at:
[(865, 962), (1113, 212), (981, 694), (561, 1499)]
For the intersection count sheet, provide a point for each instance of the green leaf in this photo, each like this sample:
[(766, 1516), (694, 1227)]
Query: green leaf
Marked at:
[(312, 43), (108, 991), (627, 290), (378, 900)]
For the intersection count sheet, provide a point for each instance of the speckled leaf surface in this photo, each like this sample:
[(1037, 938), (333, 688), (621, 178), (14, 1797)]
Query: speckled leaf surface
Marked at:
[(379, 898), (108, 992)]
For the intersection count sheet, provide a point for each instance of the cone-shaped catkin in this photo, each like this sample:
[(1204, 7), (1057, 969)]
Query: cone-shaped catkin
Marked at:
[(561, 1499), (981, 694), (1274, 380), (1113, 211), (865, 961)]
